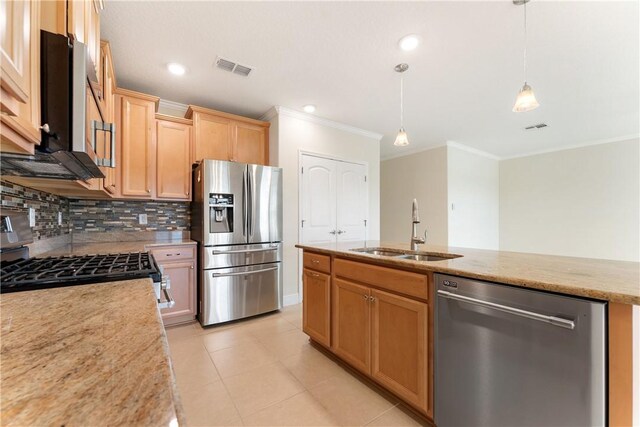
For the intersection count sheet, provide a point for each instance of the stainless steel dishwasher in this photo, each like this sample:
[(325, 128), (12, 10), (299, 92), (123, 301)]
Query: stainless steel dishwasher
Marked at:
[(507, 356)]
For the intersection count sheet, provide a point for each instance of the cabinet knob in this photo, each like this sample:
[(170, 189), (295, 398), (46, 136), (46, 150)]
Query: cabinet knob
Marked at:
[(366, 297), (192, 267), (315, 261), (148, 190)]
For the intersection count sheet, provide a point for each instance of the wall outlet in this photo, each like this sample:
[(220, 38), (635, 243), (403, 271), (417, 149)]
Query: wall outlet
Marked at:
[(142, 219), (59, 218), (32, 217)]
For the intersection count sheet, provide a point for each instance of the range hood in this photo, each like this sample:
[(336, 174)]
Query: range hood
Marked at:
[(67, 79)]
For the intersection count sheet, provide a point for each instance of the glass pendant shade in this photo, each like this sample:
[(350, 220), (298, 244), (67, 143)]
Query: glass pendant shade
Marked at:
[(526, 100), (401, 138)]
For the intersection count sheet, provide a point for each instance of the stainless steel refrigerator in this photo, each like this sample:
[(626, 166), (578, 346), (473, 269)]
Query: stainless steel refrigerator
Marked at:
[(236, 219)]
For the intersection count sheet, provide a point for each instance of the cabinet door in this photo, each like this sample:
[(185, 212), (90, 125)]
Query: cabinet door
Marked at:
[(352, 324), (316, 308), (250, 144), (93, 115), (400, 346), (183, 290), (108, 103), (137, 146), (212, 137), (174, 160), (20, 75)]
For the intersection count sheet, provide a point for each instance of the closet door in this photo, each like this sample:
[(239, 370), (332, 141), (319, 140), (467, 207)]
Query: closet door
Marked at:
[(318, 200), (352, 201)]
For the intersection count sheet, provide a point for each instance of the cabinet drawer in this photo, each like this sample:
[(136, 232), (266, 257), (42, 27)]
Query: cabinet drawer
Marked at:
[(403, 282), (173, 253), (317, 262)]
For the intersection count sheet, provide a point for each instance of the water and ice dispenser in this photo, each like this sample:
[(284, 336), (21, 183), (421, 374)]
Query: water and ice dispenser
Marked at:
[(220, 213)]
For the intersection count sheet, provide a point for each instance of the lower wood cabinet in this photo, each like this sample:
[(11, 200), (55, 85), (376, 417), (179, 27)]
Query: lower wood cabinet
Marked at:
[(381, 329), (316, 287), (178, 262)]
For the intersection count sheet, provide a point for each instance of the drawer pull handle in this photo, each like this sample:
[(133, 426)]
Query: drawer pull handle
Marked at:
[(315, 275), (315, 261)]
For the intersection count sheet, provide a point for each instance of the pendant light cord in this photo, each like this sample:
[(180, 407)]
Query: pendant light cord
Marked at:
[(524, 62), (401, 101)]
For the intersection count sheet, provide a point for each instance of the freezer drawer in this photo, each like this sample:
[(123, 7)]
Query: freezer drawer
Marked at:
[(240, 255), (508, 356), (235, 293)]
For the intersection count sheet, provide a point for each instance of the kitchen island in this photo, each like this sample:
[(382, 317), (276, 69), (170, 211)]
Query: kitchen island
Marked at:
[(374, 309), (86, 355)]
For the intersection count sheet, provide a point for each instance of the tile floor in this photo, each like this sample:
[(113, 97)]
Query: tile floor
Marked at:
[(264, 372)]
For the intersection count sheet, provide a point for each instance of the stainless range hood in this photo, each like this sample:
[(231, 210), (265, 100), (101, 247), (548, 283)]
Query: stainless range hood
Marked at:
[(67, 79)]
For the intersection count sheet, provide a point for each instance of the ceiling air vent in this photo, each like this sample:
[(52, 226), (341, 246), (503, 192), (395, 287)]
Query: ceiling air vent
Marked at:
[(538, 126), (233, 67)]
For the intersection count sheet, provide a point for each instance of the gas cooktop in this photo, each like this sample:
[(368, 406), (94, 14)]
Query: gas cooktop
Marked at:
[(52, 272)]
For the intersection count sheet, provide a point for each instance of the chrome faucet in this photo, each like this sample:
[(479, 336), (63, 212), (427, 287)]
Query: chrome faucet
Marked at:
[(415, 240)]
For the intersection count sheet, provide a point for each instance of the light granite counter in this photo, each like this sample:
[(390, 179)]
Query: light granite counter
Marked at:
[(615, 281), (86, 248), (86, 355)]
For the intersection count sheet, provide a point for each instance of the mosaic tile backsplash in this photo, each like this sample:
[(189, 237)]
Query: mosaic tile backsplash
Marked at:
[(93, 215), (47, 206), (123, 215)]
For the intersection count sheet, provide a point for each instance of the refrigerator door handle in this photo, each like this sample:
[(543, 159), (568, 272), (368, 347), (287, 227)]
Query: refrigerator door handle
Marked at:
[(244, 273), (244, 203), (242, 251), (250, 199), (553, 320)]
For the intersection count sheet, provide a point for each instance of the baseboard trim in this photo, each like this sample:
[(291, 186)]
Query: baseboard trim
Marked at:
[(291, 299)]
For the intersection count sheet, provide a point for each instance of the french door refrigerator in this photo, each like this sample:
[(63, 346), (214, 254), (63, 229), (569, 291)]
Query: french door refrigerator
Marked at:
[(237, 221)]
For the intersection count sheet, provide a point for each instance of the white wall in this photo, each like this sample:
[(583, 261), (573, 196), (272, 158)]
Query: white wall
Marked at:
[(292, 132), (473, 182), (581, 202), (422, 176)]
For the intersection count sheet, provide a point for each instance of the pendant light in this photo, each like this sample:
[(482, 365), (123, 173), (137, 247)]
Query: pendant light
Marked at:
[(401, 138), (526, 100)]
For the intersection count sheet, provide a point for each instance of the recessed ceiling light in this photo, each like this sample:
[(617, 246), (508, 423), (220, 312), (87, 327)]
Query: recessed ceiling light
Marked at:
[(409, 42), (177, 69), (309, 108)]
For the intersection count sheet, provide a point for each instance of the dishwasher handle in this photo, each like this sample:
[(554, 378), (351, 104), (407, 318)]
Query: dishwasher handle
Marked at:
[(553, 320)]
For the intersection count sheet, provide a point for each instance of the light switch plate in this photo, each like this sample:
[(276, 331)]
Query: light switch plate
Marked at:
[(59, 218), (32, 217), (142, 219)]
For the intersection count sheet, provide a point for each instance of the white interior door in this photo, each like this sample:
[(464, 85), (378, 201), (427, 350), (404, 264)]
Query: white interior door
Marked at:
[(318, 199), (352, 203)]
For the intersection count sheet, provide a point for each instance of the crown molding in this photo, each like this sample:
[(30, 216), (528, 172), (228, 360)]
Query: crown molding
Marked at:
[(283, 111), (411, 151), (173, 106), (574, 146), (471, 150)]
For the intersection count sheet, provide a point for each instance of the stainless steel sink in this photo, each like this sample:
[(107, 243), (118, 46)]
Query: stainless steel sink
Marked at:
[(424, 257), (379, 251), (408, 255)]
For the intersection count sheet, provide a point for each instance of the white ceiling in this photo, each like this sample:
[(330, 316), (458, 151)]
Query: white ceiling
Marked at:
[(583, 65)]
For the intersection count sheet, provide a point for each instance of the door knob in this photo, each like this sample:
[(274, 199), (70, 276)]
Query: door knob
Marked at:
[(341, 231), (333, 232)]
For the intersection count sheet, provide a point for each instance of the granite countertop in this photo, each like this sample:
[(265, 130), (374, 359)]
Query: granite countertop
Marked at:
[(86, 355), (615, 281), (85, 248)]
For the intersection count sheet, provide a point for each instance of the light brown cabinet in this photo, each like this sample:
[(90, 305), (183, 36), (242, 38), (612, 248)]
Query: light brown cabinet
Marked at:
[(179, 265), (20, 75), (136, 153), (224, 136), (83, 24), (380, 321), (316, 314), (173, 177), (108, 109)]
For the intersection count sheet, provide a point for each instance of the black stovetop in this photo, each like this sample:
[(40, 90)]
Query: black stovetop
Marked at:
[(53, 272)]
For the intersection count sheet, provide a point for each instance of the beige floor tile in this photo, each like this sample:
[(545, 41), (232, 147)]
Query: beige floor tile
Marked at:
[(293, 317), (225, 338), (257, 389), (196, 369), (299, 410), (209, 405), (399, 416), (176, 333), (311, 367), (185, 347), (241, 358), (286, 344), (269, 326), (350, 401)]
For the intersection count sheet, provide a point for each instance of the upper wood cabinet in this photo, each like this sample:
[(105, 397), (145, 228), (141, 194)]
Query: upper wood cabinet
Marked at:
[(83, 24), (224, 136), (111, 181), (173, 177), (136, 131), (20, 75)]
